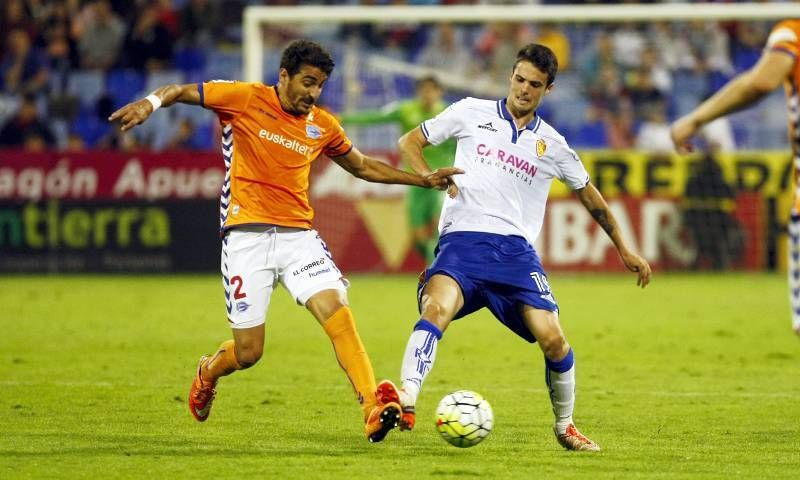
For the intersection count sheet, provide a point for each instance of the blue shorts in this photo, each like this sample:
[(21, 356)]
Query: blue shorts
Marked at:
[(499, 272)]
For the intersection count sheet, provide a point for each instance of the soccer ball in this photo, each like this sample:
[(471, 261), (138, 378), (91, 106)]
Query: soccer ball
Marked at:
[(464, 418)]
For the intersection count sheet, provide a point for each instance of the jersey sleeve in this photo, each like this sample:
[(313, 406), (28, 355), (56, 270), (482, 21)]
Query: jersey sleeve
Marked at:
[(226, 98), (785, 37), (569, 168), (339, 144), (448, 124)]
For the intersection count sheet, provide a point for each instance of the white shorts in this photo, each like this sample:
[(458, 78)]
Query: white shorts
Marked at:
[(253, 258)]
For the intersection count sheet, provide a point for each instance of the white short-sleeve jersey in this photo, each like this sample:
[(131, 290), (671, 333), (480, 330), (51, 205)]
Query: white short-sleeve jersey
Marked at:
[(508, 171)]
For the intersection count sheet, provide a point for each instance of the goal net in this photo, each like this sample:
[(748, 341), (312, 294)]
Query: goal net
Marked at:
[(625, 72)]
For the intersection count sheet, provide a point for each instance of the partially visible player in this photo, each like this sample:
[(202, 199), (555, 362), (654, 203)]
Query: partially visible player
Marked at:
[(489, 223), (779, 65), (422, 204), (270, 137)]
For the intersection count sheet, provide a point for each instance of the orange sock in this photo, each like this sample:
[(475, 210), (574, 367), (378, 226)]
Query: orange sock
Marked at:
[(352, 356), (222, 363)]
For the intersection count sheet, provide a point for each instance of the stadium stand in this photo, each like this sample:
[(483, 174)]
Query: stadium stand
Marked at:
[(613, 71)]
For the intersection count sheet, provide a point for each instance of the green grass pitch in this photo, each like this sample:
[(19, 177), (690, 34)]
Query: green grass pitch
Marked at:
[(698, 376)]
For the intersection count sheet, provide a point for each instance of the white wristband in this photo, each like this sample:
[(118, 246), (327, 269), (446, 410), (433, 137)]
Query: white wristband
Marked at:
[(154, 101)]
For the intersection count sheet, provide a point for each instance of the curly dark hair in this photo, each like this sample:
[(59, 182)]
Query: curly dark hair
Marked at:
[(541, 57), (306, 52)]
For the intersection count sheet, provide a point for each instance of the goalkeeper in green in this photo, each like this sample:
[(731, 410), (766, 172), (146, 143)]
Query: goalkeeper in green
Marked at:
[(422, 205)]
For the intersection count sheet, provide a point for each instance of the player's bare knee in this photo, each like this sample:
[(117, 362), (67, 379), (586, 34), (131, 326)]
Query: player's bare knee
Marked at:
[(248, 356), (553, 344), (434, 312), (323, 305)]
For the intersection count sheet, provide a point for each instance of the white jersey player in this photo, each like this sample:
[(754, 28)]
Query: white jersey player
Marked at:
[(508, 169), (485, 256)]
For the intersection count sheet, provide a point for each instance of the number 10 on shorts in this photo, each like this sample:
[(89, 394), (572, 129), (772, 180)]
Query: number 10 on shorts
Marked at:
[(541, 282)]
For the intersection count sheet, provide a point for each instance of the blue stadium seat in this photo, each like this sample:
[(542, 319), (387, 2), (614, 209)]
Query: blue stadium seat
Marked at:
[(158, 129), (717, 80), (182, 110), (189, 60), (566, 103), (223, 65), (124, 85), (692, 87), (375, 92), (197, 76), (589, 135), (272, 62), (744, 58), (200, 117), (90, 127), (758, 127), (203, 137), (580, 38), (162, 77), (569, 82), (86, 85), (333, 95), (404, 86)]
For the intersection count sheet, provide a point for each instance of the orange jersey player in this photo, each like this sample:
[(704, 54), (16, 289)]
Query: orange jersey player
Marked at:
[(270, 137), (779, 65), (268, 153)]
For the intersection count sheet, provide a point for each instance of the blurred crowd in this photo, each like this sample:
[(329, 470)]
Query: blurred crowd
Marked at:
[(618, 84), (65, 65)]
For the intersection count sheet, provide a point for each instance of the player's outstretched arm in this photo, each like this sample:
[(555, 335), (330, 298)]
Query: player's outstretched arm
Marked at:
[(744, 90), (410, 146), (373, 170), (138, 111), (598, 208)]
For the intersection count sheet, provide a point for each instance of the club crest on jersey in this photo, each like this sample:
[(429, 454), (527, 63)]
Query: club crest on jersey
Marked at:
[(541, 147), (313, 131)]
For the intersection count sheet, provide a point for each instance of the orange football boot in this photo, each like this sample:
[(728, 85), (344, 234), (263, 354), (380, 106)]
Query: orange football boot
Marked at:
[(386, 414), (572, 439), (201, 395)]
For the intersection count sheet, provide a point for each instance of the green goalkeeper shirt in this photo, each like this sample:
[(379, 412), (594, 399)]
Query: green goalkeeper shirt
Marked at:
[(409, 114)]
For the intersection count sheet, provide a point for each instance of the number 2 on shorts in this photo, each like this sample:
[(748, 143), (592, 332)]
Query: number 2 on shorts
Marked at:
[(238, 293)]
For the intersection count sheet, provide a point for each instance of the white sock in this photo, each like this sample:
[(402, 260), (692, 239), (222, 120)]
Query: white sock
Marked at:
[(794, 268), (418, 360), (562, 390)]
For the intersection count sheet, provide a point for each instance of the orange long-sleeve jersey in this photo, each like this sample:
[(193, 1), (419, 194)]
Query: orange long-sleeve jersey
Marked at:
[(268, 154)]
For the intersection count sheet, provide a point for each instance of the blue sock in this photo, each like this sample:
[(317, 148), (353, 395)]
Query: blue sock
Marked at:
[(560, 379), (429, 327), (562, 365), (418, 359)]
